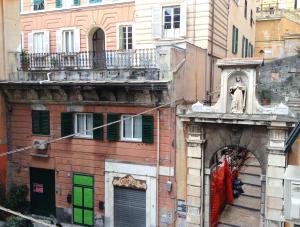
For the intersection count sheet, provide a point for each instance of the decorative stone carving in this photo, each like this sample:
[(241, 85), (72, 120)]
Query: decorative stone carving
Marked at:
[(238, 92), (129, 182)]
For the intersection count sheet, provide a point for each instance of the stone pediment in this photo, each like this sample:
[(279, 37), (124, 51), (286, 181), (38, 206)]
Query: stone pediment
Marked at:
[(238, 91)]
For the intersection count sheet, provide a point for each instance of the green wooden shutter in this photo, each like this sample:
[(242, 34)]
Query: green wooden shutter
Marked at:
[(67, 127), (35, 122), (40, 122), (98, 121), (76, 2), (233, 39), (113, 131), (44, 123), (236, 40), (58, 3), (147, 128)]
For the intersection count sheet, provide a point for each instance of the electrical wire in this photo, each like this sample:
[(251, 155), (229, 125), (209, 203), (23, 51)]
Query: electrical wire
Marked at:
[(95, 128)]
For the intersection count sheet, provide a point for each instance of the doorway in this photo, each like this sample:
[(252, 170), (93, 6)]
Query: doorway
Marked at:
[(129, 207), (42, 192), (98, 43)]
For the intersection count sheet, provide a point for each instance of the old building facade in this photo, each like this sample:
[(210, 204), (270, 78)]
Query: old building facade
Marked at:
[(122, 64)]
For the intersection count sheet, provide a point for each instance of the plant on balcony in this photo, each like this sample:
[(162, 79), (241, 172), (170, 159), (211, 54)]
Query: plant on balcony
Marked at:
[(24, 60), (53, 62)]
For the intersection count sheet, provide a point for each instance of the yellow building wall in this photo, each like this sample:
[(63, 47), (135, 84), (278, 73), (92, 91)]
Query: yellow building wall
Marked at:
[(236, 18), (9, 34), (277, 37)]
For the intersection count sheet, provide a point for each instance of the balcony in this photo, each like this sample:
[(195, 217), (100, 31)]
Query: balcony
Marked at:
[(141, 64)]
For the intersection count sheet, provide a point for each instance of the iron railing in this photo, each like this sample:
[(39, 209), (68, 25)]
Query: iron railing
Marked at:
[(141, 58)]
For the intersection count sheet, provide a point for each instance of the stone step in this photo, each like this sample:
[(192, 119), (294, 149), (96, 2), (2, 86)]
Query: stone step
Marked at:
[(237, 216), (252, 170), (247, 202), (252, 190), (251, 161), (250, 179)]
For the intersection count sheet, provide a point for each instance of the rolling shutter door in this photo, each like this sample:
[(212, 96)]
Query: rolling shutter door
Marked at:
[(129, 207)]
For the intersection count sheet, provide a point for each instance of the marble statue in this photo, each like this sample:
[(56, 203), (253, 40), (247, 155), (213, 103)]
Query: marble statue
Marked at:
[(238, 93)]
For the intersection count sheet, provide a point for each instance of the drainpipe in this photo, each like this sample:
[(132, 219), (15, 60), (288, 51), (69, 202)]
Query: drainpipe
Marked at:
[(202, 182), (211, 53), (157, 167)]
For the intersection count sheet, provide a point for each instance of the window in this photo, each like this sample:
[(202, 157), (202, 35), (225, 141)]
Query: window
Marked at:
[(84, 125), (40, 122), (68, 41), (245, 48), (95, 1), (250, 52), (80, 122), (83, 200), (125, 37), (139, 128), (131, 128), (171, 21), (235, 39), (246, 9), (38, 5), (58, 3), (38, 42), (76, 2)]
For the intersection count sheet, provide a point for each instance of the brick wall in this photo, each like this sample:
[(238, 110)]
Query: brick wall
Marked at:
[(87, 155)]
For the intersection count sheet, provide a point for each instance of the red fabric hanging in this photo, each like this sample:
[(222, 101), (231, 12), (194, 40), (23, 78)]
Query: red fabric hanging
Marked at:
[(221, 191)]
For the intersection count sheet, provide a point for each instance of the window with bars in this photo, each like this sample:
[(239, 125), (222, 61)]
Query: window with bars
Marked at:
[(171, 21), (68, 41), (235, 39), (38, 5), (38, 42), (125, 37)]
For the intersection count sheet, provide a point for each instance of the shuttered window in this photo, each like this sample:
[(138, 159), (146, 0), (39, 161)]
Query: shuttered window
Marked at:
[(131, 128), (147, 129), (83, 200), (82, 124), (58, 3), (67, 127), (76, 2), (40, 122), (235, 39), (97, 121), (113, 130)]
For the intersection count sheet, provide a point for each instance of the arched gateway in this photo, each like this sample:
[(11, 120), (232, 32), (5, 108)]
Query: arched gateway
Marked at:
[(251, 139)]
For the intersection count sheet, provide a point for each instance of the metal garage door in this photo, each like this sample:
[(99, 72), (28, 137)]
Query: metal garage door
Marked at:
[(129, 207)]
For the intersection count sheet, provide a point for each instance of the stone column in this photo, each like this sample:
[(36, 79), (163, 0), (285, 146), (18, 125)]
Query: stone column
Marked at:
[(275, 174), (195, 140)]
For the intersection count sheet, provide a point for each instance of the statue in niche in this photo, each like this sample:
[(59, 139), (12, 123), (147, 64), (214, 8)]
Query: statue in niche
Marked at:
[(238, 93)]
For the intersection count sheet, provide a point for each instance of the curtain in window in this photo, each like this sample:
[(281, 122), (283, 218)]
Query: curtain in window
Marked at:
[(127, 130), (80, 123), (89, 124), (137, 127)]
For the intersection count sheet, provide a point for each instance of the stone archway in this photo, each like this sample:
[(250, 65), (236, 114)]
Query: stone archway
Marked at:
[(247, 188), (97, 45)]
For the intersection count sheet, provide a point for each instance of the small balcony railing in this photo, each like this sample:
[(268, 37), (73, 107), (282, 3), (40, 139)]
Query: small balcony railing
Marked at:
[(141, 58)]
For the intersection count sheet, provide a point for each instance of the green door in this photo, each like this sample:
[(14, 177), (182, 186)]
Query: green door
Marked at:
[(83, 200), (42, 192)]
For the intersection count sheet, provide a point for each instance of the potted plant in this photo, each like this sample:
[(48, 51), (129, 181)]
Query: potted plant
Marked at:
[(24, 60), (265, 96)]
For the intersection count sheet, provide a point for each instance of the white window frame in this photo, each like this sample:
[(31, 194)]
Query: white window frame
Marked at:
[(123, 117), (171, 32), (36, 47), (118, 25), (126, 38), (71, 41), (84, 134)]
